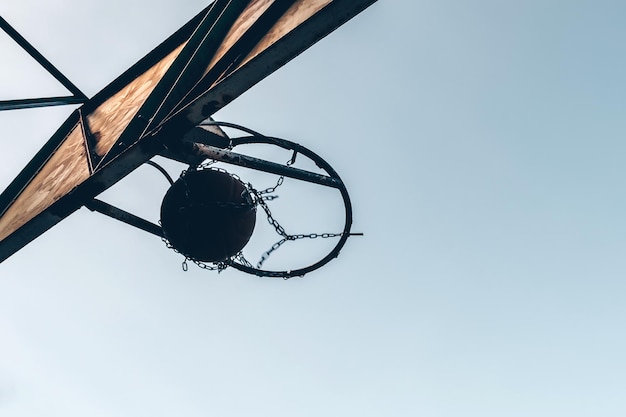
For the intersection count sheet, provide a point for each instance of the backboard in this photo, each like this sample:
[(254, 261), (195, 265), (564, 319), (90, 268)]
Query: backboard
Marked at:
[(211, 60)]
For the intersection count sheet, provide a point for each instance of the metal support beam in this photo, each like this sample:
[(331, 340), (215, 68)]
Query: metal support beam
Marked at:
[(30, 103), (124, 216), (181, 150), (234, 158)]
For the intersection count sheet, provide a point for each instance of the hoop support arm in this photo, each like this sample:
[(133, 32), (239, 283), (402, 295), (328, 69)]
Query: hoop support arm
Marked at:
[(234, 158), (124, 216)]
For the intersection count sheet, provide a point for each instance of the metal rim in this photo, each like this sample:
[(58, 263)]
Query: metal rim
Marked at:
[(257, 138)]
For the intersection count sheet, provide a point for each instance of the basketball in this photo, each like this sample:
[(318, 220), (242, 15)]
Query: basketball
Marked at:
[(208, 215)]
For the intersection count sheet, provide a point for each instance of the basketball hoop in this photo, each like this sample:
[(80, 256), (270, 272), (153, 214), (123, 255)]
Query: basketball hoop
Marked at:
[(208, 215), (153, 109)]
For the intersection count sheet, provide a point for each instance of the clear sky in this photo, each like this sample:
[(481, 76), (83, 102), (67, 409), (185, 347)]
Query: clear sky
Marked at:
[(483, 145)]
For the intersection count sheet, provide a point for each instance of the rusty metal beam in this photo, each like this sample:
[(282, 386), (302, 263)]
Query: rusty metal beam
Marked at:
[(234, 158)]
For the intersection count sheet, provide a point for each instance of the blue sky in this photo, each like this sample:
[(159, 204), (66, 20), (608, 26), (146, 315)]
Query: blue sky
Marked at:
[(482, 144)]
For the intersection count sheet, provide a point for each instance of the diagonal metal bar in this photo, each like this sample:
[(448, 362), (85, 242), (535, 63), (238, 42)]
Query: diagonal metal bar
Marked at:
[(15, 35), (124, 216)]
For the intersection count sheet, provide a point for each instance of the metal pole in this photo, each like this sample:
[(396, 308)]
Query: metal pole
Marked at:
[(30, 103), (124, 216), (229, 157)]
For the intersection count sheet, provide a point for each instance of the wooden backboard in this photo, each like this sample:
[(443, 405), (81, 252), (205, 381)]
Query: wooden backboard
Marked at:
[(215, 57)]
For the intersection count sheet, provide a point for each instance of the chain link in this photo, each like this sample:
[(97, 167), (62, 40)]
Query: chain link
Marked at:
[(215, 266), (280, 181), (280, 229)]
